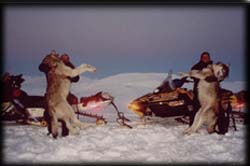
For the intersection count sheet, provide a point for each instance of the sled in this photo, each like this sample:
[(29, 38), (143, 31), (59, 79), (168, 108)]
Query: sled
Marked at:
[(99, 102)]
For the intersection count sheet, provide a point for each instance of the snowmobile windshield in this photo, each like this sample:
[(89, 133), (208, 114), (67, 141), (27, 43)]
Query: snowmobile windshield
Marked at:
[(164, 87)]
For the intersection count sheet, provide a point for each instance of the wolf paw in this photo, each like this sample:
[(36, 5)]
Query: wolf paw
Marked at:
[(88, 67), (181, 74), (86, 125), (74, 131), (187, 131)]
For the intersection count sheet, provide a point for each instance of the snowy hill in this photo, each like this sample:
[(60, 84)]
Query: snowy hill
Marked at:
[(35, 85), (125, 87), (161, 142)]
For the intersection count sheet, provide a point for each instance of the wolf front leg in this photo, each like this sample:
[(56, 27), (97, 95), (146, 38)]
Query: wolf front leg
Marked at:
[(197, 74), (69, 72), (87, 67), (182, 74), (84, 68)]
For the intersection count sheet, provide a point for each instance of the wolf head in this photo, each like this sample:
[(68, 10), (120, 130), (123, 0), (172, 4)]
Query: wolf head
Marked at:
[(221, 70), (51, 60)]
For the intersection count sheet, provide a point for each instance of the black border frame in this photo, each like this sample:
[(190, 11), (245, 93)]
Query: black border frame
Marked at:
[(145, 3)]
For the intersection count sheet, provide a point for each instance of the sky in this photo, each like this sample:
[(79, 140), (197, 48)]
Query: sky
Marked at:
[(125, 39)]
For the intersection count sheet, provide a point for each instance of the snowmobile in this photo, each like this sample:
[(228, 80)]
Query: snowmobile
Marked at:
[(167, 100), (18, 106), (171, 99), (22, 108)]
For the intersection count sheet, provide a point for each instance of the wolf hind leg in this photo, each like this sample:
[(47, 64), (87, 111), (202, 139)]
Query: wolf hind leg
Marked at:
[(54, 126), (75, 121), (198, 121), (72, 130), (211, 121), (81, 125)]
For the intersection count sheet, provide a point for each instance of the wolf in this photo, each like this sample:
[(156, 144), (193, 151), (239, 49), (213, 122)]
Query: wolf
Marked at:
[(208, 95), (58, 86)]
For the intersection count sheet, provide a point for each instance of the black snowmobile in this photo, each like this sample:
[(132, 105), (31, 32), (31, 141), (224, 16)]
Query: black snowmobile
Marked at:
[(170, 99), (167, 100), (18, 106), (22, 108)]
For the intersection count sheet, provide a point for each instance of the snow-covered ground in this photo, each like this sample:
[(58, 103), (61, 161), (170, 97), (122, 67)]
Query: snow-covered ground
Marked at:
[(161, 142), (158, 142)]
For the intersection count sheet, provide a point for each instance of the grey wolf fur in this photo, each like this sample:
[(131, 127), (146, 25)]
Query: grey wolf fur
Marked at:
[(58, 86), (208, 95)]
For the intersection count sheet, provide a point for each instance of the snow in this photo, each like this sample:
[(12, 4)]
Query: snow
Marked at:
[(161, 141)]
